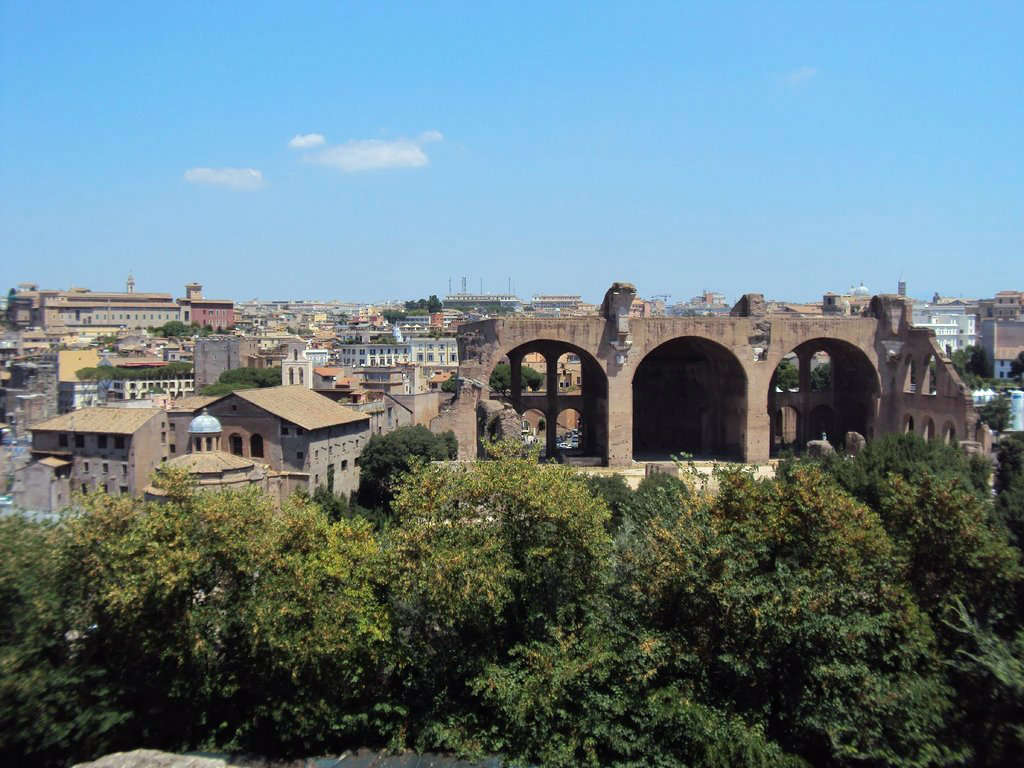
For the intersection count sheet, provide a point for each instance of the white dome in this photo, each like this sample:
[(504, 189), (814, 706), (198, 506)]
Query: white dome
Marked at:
[(204, 424)]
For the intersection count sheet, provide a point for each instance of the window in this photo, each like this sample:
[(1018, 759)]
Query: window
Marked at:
[(85, 488), (284, 431), (299, 455), (124, 470), (163, 438), (173, 448), (209, 443), (198, 444), (106, 469), (85, 467), (344, 464), (101, 441), (256, 446), (79, 441), (62, 441), (236, 444), (299, 431), (119, 442)]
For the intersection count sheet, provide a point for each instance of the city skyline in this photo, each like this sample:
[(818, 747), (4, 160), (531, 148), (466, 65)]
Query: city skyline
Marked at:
[(382, 150)]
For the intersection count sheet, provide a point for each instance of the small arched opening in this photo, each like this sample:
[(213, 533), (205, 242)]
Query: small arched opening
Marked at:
[(785, 429), (949, 434), (256, 446), (235, 443), (929, 430)]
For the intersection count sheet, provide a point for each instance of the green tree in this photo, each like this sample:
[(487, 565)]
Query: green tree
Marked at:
[(243, 378), (614, 492), (501, 378), (450, 385), (977, 362), (434, 304), (1009, 503), (173, 329), (203, 611), (1017, 367), (780, 601), (386, 457), (996, 413), (821, 378), (787, 377), (487, 558)]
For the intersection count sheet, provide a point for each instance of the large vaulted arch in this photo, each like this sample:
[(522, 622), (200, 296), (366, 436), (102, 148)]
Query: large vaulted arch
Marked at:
[(689, 397)]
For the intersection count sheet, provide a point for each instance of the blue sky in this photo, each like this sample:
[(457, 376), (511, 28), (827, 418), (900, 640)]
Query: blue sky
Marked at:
[(783, 148)]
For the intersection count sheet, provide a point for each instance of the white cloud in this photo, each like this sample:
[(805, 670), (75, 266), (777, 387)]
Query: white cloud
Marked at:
[(801, 75), (374, 154), (307, 140), (240, 178)]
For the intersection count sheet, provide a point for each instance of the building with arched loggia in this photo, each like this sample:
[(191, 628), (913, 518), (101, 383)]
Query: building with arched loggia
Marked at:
[(738, 388)]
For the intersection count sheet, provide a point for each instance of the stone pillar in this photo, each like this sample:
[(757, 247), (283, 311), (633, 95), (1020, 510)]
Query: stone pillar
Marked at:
[(551, 411), (803, 420), (515, 363)]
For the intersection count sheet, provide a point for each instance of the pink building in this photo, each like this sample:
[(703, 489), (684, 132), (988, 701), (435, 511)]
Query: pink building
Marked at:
[(216, 313)]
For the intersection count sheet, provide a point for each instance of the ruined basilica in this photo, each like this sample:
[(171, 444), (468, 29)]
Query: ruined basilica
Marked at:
[(651, 388)]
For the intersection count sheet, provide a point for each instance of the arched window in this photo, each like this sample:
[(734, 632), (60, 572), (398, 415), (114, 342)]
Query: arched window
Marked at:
[(301, 377), (256, 446), (236, 445), (291, 375)]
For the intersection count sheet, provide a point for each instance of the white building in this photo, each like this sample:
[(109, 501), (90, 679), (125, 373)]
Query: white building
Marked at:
[(426, 351), (954, 328)]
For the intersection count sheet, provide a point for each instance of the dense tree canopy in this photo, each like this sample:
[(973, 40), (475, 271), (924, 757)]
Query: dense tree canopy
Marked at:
[(244, 378), (853, 611), (386, 457), (787, 376), (117, 373), (501, 378)]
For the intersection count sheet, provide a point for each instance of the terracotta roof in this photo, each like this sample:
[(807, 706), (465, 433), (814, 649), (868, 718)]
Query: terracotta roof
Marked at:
[(54, 462), (327, 371), (300, 406), (116, 421), (1007, 353), (194, 403), (213, 462)]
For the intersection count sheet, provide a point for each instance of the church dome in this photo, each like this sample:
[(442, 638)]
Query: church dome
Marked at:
[(204, 424), (861, 291)]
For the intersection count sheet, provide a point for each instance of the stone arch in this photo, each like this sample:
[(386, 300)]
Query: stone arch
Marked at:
[(911, 377), (785, 428), (571, 427), (256, 446), (949, 433), (689, 396), (908, 424), (852, 395), (929, 430), (589, 399), (929, 375)]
